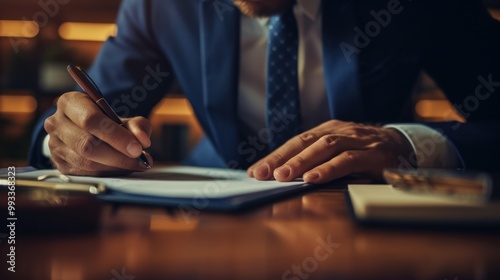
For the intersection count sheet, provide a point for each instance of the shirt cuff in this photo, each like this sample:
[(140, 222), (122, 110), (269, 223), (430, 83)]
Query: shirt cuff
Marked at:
[(431, 148), (45, 147)]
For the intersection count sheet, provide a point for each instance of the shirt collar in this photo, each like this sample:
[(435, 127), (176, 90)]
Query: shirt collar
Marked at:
[(310, 8)]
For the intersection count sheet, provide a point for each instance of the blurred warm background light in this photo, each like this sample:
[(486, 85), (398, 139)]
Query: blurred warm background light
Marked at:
[(17, 104), (18, 28), (439, 110), (87, 31)]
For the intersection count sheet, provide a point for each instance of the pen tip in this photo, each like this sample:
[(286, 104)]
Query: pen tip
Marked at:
[(144, 160)]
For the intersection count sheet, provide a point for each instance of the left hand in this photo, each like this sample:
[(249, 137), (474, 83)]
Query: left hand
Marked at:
[(333, 150)]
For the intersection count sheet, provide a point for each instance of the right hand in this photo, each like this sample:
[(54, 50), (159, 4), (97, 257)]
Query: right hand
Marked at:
[(84, 141)]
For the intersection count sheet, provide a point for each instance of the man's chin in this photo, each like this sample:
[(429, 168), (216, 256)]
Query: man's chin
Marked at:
[(262, 8)]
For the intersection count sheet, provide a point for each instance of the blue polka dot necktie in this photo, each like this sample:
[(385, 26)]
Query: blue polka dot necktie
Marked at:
[(283, 104)]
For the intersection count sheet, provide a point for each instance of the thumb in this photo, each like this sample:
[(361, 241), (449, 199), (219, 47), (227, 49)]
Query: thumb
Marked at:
[(141, 128)]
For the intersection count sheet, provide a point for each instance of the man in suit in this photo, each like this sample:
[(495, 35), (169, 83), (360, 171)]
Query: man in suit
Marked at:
[(307, 88)]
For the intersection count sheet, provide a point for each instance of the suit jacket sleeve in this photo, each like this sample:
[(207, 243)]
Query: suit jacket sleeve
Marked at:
[(130, 70), (463, 57)]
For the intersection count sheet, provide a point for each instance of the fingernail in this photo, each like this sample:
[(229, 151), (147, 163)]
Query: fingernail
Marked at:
[(134, 149), (250, 173), (284, 171), (311, 177), (262, 171)]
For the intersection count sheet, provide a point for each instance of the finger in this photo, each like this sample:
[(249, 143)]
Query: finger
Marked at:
[(359, 130), (326, 148), (69, 162), (141, 129), (346, 163), (316, 132), (74, 164), (68, 169), (91, 148), (264, 168), (82, 111)]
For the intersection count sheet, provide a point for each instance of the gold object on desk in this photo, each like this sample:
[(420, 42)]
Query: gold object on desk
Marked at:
[(462, 185), (65, 185), (51, 204)]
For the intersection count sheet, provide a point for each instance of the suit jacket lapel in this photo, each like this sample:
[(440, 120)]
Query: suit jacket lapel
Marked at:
[(340, 61), (220, 45)]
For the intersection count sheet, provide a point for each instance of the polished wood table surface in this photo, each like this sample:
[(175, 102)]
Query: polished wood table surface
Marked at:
[(307, 236)]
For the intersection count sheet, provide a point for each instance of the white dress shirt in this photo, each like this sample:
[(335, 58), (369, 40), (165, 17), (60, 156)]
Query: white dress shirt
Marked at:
[(312, 88)]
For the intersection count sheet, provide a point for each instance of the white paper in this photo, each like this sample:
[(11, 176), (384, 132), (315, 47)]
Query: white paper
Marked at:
[(180, 182)]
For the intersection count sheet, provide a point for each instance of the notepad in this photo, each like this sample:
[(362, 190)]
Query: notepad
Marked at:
[(383, 203), (207, 188)]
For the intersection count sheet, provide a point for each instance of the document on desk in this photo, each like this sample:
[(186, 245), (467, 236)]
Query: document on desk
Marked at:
[(226, 188)]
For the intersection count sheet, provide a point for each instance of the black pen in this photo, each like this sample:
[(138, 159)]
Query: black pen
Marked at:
[(91, 89)]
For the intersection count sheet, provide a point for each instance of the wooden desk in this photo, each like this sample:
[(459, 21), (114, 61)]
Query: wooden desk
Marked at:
[(264, 243)]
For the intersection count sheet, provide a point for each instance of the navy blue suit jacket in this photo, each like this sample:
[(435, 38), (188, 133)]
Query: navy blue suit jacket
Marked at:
[(197, 42)]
